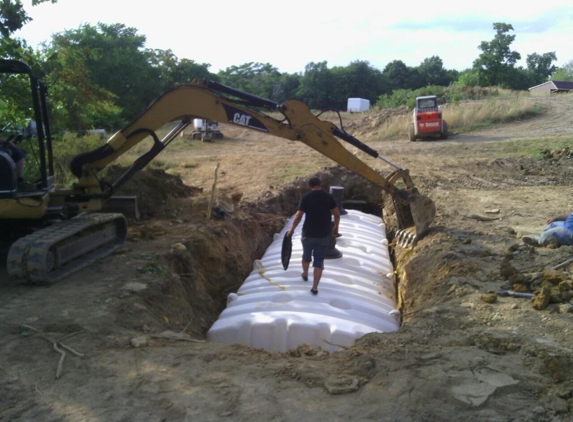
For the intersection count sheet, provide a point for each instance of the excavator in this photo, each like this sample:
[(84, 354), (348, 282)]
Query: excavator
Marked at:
[(54, 231)]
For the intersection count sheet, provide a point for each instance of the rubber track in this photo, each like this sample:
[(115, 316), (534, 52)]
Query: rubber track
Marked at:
[(28, 258)]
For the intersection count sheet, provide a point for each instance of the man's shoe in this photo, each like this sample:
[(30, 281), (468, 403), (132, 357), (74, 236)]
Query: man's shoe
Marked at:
[(530, 240)]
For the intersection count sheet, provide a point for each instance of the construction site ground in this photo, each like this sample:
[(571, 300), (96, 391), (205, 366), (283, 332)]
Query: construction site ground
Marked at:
[(135, 322)]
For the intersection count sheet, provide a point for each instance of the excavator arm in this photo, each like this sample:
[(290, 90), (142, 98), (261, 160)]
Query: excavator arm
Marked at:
[(52, 253), (211, 100)]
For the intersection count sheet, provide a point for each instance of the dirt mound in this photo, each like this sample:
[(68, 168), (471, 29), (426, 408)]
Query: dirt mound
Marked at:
[(154, 189), (563, 152), (372, 122)]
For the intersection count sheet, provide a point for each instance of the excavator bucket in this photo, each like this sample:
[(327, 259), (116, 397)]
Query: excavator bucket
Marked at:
[(414, 216), (423, 212)]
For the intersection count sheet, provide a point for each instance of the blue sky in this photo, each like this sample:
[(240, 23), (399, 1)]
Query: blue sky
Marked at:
[(293, 33)]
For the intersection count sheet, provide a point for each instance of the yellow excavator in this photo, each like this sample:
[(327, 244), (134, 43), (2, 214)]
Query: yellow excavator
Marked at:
[(54, 231)]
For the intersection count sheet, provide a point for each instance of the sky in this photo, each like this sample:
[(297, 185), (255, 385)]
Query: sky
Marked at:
[(290, 34)]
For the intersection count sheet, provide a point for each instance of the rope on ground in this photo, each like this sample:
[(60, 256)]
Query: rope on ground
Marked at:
[(261, 271), (56, 344), (334, 344)]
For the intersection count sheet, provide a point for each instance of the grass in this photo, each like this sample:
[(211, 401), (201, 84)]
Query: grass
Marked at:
[(283, 175), (531, 148)]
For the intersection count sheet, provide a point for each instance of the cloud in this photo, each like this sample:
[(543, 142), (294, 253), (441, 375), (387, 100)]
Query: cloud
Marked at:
[(455, 24)]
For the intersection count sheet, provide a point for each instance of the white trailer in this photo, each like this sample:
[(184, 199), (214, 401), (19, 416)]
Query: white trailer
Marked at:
[(357, 105)]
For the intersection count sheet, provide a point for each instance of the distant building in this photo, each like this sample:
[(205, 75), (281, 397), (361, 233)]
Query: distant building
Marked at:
[(552, 87)]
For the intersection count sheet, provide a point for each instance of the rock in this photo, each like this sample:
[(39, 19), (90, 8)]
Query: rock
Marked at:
[(553, 276), (541, 298), (566, 308), (341, 384), (556, 405), (507, 270), (134, 286), (178, 249), (489, 298), (138, 342)]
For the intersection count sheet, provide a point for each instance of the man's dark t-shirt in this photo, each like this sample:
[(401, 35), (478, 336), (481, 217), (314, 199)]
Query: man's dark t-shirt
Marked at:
[(316, 206)]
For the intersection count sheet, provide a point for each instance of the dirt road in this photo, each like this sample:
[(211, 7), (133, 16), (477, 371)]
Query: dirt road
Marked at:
[(137, 319)]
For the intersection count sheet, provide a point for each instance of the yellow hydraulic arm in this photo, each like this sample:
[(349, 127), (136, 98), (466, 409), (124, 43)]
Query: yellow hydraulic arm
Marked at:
[(210, 100)]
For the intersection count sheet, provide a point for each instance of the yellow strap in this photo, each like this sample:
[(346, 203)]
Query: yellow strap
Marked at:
[(262, 274)]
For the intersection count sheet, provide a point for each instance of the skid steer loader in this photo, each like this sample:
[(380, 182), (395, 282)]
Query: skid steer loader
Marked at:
[(427, 120)]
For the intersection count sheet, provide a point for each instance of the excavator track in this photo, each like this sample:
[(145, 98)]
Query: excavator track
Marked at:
[(52, 253)]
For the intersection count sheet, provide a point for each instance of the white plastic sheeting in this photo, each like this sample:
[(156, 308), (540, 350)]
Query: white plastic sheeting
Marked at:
[(274, 309)]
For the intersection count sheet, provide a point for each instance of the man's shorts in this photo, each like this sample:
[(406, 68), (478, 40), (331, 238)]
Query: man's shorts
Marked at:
[(16, 153), (314, 249)]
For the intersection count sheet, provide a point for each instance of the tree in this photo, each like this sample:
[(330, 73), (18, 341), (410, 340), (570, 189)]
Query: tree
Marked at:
[(357, 80), (76, 102), (564, 73), (262, 79), (496, 63), (173, 71), (432, 72), (116, 61), (13, 16), (397, 74), (316, 86), (541, 66), (468, 77)]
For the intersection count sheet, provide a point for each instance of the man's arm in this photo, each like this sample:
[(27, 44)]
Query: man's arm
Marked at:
[(561, 217), (295, 221), (336, 214)]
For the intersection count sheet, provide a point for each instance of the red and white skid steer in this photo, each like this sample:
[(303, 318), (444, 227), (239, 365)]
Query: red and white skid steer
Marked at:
[(427, 120)]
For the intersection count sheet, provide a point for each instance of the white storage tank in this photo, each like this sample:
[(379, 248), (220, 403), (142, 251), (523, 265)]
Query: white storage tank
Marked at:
[(274, 309), (357, 105), (198, 123)]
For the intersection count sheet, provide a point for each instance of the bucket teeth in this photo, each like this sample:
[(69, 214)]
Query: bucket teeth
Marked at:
[(405, 239)]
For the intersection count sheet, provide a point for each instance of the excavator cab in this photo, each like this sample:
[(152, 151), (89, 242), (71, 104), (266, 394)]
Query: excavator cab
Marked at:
[(33, 134)]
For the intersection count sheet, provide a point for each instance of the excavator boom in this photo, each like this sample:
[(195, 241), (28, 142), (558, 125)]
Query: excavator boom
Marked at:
[(52, 253), (211, 100)]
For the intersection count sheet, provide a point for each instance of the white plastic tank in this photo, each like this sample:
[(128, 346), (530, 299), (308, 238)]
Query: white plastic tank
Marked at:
[(274, 309), (198, 124)]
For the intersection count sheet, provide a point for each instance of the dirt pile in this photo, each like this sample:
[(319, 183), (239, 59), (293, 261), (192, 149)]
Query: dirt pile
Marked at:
[(154, 189)]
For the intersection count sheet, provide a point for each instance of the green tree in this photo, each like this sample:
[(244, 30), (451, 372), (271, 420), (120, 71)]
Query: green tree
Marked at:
[(495, 65), (564, 73), (76, 102), (262, 79), (432, 72), (174, 71), (116, 61), (316, 86), (541, 66), (13, 16), (468, 77), (397, 74), (286, 88), (357, 80)]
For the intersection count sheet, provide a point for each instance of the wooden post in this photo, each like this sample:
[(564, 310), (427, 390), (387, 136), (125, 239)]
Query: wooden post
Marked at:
[(212, 193)]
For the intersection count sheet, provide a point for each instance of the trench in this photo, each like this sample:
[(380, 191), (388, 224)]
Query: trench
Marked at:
[(221, 255)]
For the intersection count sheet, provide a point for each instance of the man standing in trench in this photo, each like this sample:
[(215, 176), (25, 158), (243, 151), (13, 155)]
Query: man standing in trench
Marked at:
[(318, 206)]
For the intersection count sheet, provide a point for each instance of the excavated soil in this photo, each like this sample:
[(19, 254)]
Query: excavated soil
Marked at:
[(137, 320)]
